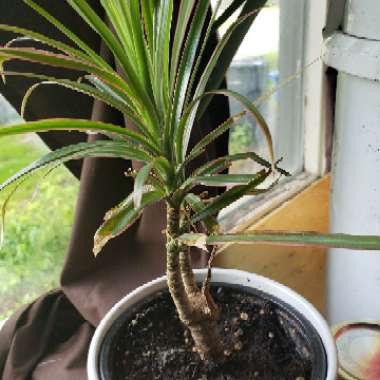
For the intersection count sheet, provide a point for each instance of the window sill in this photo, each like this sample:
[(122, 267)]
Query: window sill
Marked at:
[(302, 269), (250, 209)]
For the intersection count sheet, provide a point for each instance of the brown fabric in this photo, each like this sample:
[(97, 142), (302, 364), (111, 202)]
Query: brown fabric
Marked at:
[(49, 338), (46, 340)]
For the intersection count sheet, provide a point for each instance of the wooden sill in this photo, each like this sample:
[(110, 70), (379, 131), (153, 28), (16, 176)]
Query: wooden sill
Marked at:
[(302, 269)]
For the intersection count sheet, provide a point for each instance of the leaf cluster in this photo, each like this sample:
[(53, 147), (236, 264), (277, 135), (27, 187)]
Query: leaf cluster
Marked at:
[(163, 85), (160, 88)]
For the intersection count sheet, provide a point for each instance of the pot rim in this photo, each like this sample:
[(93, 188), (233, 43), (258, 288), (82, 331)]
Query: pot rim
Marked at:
[(228, 276)]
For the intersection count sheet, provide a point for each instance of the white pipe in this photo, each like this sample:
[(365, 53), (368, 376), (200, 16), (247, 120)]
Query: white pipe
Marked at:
[(362, 18), (353, 279)]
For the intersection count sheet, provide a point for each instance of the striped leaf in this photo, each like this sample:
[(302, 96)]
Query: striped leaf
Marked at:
[(59, 60), (104, 94), (135, 82), (96, 58), (228, 12), (74, 125), (33, 36), (182, 133), (107, 149), (197, 205), (227, 49), (185, 127), (285, 238), (119, 219), (229, 197), (186, 65), (221, 163), (210, 137), (186, 9), (140, 181), (222, 180)]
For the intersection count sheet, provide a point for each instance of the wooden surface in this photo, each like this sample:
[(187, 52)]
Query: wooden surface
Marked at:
[(302, 269)]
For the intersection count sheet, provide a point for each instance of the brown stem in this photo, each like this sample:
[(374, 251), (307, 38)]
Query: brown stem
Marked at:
[(187, 272), (173, 270), (206, 283), (195, 309)]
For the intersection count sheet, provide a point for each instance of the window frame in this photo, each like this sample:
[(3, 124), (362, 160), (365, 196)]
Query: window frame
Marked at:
[(311, 111)]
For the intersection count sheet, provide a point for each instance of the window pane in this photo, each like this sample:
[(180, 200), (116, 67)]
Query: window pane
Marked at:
[(270, 55), (38, 221)]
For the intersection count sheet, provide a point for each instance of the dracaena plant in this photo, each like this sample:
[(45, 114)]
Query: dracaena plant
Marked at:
[(160, 89)]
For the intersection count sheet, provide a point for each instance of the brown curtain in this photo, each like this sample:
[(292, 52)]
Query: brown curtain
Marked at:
[(49, 338)]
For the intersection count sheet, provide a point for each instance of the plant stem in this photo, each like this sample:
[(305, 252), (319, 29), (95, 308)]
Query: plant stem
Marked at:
[(191, 287), (175, 282), (195, 308)]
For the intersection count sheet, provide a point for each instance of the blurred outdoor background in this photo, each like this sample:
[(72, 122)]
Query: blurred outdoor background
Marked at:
[(37, 222)]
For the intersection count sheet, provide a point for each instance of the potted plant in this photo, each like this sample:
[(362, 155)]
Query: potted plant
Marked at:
[(225, 324)]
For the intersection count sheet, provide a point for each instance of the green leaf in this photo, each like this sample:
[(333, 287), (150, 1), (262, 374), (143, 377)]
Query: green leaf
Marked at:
[(185, 127), (126, 20), (161, 64), (202, 50), (255, 113), (59, 60), (44, 57), (3, 211), (130, 112), (108, 149), (74, 125), (186, 65), (183, 130), (96, 58), (222, 163), (119, 219), (210, 137), (222, 180), (105, 95), (229, 197), (33, 36), (286, 238), (100, 27), (143, 62), (164, 169), (140, 180), (121, 24), (185, 11), (228, 12), (147, 8), (135, 82), (197, 205), (218, 65)]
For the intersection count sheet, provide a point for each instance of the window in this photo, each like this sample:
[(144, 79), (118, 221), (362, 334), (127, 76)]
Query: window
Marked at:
[(285, 38), (278, 66), (33, 250)]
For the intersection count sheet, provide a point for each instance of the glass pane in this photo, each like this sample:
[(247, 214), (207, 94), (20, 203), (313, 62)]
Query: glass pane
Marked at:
[(38, 221), (270, 55)]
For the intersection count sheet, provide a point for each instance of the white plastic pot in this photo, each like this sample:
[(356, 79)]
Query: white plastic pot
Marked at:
[(226, 276)]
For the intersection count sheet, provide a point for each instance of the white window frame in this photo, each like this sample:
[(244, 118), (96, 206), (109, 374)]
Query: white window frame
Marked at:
[(249, 210)]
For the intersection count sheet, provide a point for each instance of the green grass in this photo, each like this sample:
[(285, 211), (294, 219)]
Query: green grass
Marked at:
[(37, 229)]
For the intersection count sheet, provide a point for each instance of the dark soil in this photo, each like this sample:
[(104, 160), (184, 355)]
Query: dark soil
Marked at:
[(264, 341)]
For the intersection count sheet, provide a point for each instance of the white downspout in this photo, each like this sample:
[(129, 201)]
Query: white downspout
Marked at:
[(353, 279)]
